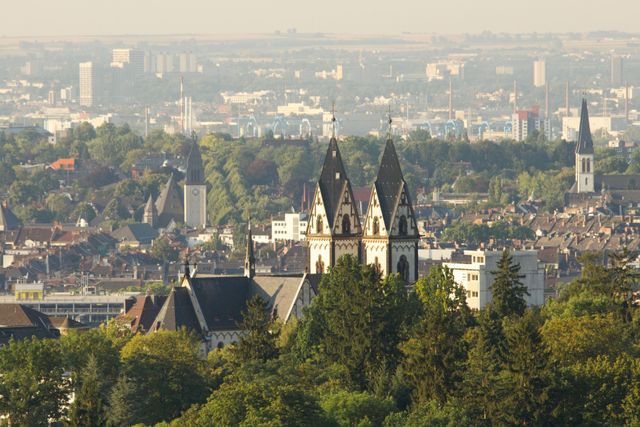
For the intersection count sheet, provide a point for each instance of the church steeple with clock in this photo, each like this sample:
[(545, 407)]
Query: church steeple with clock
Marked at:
[(195, 190)]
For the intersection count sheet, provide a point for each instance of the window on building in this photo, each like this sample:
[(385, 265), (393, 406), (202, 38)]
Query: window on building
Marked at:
[(376, 265), (376, 226), (319, 225), (319, 265), (402, 226), (403, 268), (346, 224)]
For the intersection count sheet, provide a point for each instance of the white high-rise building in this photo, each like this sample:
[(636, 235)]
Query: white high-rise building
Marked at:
[(474, 273), (128, 58), (539, 73), (87, 83), (617, 70)]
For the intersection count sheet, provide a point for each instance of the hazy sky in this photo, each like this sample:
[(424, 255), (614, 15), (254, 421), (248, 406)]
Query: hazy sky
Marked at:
[(98, 17)]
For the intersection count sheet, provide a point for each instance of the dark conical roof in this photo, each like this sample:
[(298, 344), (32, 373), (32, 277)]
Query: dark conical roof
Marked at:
[(333, 179), (195, 172), (585, 143), (389, 182)]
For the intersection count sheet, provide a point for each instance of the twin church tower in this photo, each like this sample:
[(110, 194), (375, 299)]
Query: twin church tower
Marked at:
[(388, 238)]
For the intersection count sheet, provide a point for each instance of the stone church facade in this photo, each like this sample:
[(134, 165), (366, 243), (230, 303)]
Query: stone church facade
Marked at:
[(389, 237)]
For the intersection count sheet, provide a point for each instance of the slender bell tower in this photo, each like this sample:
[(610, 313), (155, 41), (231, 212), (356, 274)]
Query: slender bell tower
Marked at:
[(585, 174), (195, 190)]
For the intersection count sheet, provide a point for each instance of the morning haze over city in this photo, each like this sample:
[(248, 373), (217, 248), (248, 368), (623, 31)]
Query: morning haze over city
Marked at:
[(319, 214)]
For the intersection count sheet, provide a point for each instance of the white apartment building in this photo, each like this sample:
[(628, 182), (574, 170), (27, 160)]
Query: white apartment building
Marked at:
[(87, 82), (539, 73), (132, 58), (474, 274), (611, 125), (292, 227)]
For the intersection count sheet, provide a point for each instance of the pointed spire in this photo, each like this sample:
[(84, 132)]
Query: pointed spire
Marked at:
[(585, 142), (195, 173), (249, 259), (332, 180)]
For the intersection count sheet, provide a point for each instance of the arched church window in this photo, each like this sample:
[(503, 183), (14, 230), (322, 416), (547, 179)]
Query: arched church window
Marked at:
[(319, 265), (376, 226), (403, 268), (319, 225), (403, 199), (346, 224), (402, 226), (588, 165), (376, 265), (584, 165)]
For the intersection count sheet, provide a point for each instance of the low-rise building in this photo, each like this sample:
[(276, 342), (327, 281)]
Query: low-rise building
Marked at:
[(293, 227), (474, 270)]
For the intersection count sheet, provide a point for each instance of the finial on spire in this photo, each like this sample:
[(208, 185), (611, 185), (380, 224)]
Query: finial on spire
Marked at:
[(194, 136), (333, 119), (389, 121)]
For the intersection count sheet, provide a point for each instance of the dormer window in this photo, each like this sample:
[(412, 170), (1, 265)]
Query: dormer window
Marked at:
[(337, 175), (333, 154)]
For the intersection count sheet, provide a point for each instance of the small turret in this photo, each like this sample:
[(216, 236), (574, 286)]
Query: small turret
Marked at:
[(150, 213), (249, 259)]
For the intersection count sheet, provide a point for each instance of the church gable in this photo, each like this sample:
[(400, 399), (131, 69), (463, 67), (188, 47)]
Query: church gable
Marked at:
[(318, 221), (346, 221), (403, 222), (374, 225)]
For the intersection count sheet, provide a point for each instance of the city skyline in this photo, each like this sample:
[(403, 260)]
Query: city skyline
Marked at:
[(251, 17)]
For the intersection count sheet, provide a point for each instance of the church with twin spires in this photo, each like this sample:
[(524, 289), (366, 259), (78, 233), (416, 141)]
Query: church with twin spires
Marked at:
[(388, 236)]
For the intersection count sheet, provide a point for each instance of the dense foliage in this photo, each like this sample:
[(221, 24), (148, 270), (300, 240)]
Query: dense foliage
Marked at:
[(248, 176), (367, 353)]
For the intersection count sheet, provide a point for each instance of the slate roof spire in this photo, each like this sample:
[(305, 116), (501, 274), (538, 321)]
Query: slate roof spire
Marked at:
[(585, 142), (195, 172), (333, 179), (390, 181)]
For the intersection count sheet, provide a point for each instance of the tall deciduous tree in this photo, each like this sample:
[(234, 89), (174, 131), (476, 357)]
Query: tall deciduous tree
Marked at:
[(168, 372), (32, 387)]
